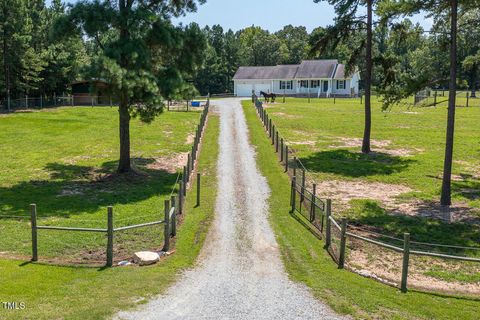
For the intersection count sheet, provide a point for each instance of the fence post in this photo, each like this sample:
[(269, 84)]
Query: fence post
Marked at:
[(184, 180), (41, 101), (303, 186), (343, 242), (328, 236), (109, 236), (26, 102), (293, 195), (92, 101), (435, 98), (286, 158), (406, 258), (189, 168), (180, 197), (33, 212), (295, 166), (276, 141), (273, 135), (281, 150), (71, 97), (166, 230), (467, 99), (313, 204), (198, 189), (174, 216)]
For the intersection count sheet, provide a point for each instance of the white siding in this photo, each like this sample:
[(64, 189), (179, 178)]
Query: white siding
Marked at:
[(243, 88), (277, 90)]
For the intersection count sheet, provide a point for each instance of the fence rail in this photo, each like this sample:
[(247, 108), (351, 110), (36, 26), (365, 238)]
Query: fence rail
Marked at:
[(301, 180), (173, 207)]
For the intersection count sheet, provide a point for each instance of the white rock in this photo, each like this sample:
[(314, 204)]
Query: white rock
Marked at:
[(144, 258)]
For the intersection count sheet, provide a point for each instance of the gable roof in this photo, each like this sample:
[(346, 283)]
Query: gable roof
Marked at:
[(316, 69), (307, 69), (269, 72)]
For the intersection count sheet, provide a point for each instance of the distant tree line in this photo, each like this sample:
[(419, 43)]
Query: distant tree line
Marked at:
[(35, 62)]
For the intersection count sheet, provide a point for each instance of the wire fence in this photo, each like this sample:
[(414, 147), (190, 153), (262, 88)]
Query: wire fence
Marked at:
[(28, 103), (435, 98), (383, 257), (110, 240)]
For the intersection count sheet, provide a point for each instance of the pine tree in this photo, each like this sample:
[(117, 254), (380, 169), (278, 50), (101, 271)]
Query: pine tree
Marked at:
[(349, 23), (143, 56)]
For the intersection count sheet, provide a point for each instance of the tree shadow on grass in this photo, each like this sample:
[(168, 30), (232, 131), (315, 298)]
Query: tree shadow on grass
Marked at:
[(468, 187), (75, 189), (371, 215), (354, 164)]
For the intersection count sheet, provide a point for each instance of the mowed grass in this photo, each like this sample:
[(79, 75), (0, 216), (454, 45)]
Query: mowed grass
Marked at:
[(51, 292), (408, 145), (63, 159), (418, 131), (307, 261)]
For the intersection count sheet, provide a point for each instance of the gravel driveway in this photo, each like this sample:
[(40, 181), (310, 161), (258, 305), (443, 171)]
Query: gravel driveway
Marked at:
[(240, 274)]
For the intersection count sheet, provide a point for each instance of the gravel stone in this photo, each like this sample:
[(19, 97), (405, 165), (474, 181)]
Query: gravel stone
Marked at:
[(239, 274)]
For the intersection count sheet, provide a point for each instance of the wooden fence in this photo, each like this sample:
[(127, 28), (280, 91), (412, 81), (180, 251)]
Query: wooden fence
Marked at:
[(173, 207), (319, 211)]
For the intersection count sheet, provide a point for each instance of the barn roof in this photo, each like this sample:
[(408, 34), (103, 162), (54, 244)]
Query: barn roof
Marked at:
[(307, 69)]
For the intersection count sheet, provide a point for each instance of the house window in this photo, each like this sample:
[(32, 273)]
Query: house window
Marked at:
[(303, 83), (286, 85), (314, 83), (341, 84)]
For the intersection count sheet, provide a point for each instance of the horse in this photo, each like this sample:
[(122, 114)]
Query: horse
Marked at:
[(268, 96)]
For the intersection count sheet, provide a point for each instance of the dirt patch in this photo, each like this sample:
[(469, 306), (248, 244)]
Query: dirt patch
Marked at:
[(169, 164), (384, 265), (190, 139), (378, 146), (457, 212), (74, 160), (357, 142), (342, 192), (306, 142), (287, 116), (71, 191)]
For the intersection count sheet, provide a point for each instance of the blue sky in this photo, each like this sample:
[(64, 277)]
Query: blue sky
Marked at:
[(268, 14)]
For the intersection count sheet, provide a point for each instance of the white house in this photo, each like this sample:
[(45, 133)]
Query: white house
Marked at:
[(320, 78)]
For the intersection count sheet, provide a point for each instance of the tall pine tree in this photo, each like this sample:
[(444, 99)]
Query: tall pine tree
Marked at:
[(143, 56)]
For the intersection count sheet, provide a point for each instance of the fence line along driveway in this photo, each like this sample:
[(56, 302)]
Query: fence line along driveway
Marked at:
[(240, 274)]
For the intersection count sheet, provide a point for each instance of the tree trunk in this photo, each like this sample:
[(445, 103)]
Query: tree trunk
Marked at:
[(124, 165), (447, 165), (368, 82), (6, 68), (473, 82)]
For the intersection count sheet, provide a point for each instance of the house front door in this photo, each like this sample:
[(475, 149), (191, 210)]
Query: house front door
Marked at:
[(325, 86)]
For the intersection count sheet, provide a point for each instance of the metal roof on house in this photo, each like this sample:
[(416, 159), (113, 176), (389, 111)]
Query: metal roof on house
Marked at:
[(307, 69)]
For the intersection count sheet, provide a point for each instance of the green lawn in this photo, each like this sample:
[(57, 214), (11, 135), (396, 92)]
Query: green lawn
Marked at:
[(405, 167), (307, 261), (82, 292), (62, 160)]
